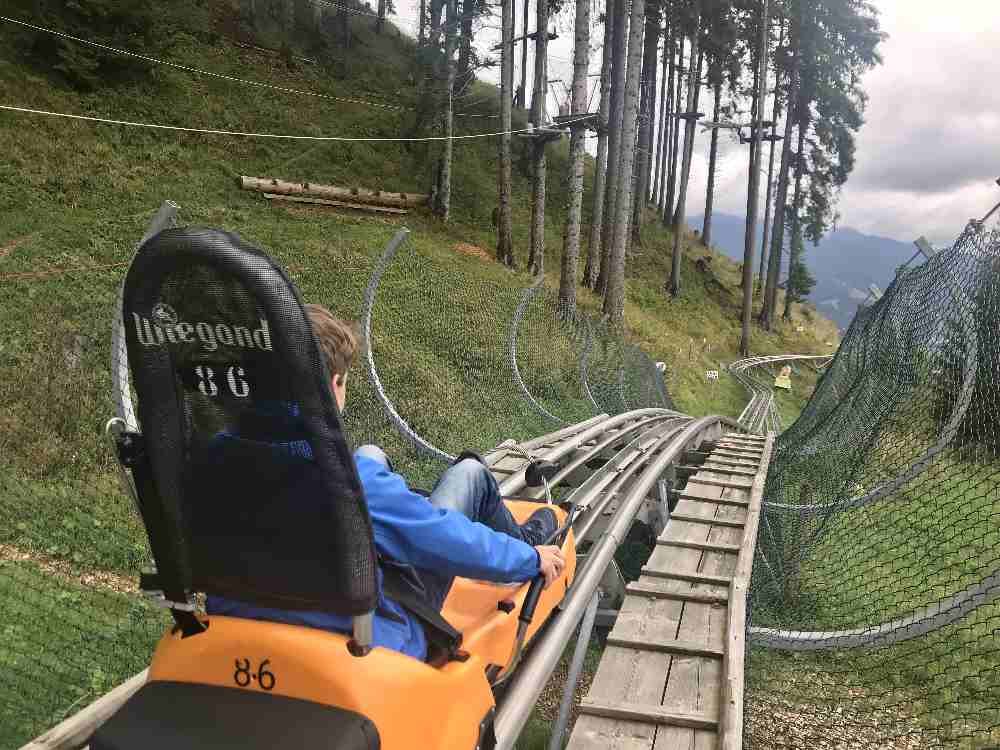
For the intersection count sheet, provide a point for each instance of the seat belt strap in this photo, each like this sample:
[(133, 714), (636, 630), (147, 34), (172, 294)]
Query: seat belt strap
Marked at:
[(439, 631)]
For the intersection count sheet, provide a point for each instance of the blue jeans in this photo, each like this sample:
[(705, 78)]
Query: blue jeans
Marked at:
[(467, 488)]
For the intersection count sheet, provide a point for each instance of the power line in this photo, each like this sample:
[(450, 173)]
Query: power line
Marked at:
[(212, 131)]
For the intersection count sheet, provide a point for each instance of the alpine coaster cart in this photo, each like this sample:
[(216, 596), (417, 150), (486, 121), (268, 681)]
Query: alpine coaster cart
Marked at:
[(240, 435)]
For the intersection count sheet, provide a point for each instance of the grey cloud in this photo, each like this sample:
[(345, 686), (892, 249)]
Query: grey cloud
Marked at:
[(933, 119)]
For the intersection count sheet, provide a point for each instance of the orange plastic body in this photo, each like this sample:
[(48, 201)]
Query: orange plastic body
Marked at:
[(410, 702)]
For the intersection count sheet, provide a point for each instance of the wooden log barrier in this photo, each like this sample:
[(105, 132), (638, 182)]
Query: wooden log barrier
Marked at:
[(332, 192)]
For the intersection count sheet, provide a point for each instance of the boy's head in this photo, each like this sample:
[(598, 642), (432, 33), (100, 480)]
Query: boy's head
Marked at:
[(338, 345)]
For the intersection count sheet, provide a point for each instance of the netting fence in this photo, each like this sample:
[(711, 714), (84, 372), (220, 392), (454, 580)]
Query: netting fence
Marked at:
[(457, 360), (875, 621)]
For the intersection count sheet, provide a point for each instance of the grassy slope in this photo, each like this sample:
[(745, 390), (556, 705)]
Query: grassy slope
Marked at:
[(85, 189), (77, 195), (880, 563)]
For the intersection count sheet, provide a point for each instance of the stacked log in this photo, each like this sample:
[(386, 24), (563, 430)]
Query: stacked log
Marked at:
[(332, 192)]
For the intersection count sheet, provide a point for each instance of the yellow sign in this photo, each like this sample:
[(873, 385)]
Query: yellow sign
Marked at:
[(784, 379)]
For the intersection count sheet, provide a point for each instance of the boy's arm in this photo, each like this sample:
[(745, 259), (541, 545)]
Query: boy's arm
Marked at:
[(413, 531)]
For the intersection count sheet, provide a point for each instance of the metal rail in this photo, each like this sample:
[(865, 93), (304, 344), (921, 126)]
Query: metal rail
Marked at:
[(401, 424), (515, 483), (913, 625), (165, 217), (584, 355), (529, 680), (515, 325), (761, 414)]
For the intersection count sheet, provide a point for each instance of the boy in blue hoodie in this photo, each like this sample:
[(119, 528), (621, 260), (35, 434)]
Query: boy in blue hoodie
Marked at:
[(462, 529)]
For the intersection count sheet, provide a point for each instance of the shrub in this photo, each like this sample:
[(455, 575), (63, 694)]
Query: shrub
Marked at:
[(138, 26)]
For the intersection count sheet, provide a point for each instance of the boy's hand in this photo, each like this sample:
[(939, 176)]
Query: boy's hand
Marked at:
[(550, 563)]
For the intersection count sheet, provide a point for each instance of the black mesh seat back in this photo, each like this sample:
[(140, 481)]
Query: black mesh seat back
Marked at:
[(260, 496)]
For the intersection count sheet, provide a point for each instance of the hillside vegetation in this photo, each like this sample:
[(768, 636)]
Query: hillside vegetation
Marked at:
[(79, 193), (75, 196)]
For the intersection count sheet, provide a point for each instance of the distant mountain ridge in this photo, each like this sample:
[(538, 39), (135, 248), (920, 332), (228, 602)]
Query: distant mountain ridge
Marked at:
[(844, 264)]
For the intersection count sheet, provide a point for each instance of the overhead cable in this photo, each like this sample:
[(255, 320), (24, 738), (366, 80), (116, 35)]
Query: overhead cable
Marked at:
[(213, 131)]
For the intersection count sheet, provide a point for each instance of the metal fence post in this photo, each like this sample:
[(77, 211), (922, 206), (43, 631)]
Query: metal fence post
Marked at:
[(556, 740)]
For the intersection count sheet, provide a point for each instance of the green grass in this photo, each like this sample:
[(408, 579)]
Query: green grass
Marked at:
[(75, 197), (932, 539), (62, 645)]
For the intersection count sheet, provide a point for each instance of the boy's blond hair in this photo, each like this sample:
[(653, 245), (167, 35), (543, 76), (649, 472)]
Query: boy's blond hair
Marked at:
[(336, 338)]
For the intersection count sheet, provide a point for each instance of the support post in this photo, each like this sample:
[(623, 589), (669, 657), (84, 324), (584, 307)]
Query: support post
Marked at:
[(556, 740)]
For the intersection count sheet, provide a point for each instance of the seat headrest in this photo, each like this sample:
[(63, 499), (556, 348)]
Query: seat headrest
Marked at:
[(248, 454)]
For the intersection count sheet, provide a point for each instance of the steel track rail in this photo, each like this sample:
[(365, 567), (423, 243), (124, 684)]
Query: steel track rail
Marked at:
[(500, 451), (529, 680), (515, 483), (760, 414), (584, 457), (606, 483)]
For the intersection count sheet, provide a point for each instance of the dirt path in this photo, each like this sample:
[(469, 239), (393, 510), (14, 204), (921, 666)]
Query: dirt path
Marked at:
[(63, 570), (9, 247)]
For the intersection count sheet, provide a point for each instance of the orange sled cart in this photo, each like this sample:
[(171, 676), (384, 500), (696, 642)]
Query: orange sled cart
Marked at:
[(216, 336)]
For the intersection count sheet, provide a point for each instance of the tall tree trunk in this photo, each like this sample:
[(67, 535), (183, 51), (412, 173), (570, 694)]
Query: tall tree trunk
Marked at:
[(574, 175), (422, 34), (757, 88), (690, 123), (669, 121), (713, 153), (770, 161), (753, 192), (601, 165), (767, 208), (668, 212), (505, 243), (522, 92), (443, 207), (380, 23), (661, 121), (536, 254), (656, 32), (781, 200), (618, 71), (465, 40), (345, 27), (698, 76), (796, 214), (647, 111), (614, 297), (435, 34)]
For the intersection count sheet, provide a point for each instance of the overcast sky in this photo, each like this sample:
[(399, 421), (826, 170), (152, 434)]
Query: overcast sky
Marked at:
[(929, 151)]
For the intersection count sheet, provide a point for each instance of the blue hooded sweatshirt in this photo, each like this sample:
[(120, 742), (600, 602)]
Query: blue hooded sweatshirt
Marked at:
[(411, 531)]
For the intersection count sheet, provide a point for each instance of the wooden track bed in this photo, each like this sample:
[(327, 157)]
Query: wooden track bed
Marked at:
[(672, 673)]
